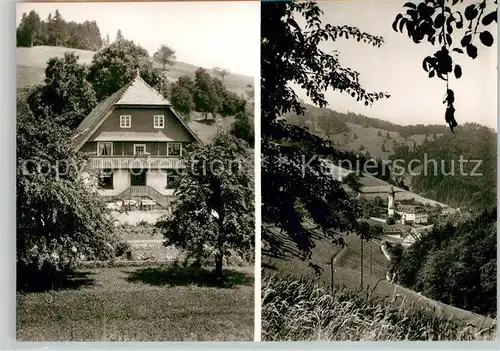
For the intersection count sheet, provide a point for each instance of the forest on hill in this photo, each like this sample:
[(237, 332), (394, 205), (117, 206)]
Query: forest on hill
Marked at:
[(438, 173), (442, 179), (333, 122), (55, 31), (455, 264)]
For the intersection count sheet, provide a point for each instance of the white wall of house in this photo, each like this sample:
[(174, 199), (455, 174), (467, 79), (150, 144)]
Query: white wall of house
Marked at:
[(121, 182), (157, 180), (417, 218)]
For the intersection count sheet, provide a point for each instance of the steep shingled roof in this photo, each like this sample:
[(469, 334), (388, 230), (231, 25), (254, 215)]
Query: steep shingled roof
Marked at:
[(137, 92), (140, 93)]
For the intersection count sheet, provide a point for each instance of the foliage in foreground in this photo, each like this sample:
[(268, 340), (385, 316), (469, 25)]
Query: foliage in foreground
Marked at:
[(445, 23), (296, 186), (59, 216), (294, 310)]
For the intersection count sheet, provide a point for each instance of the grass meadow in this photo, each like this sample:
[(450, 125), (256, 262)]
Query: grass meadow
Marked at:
[(156, 303)]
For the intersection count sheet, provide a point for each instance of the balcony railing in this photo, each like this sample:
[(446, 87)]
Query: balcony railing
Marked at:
[(130, 162)]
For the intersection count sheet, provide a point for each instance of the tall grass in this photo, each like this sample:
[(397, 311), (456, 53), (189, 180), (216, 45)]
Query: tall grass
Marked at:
[(298, 310)]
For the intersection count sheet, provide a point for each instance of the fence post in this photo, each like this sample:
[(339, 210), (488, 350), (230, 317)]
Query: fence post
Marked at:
[(331, 277), (371, 258), (362, 243)]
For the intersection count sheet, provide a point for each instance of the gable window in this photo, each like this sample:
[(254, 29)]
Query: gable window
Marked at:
[(105, 180), (174, 149), (159, 121), (125, 121), (139, 149), (104, 149)]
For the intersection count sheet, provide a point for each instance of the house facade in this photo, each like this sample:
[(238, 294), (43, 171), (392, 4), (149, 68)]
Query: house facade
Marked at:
[(135, 139), (412, 214)]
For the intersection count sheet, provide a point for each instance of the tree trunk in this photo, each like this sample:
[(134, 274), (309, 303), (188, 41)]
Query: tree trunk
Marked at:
[(218, 265)]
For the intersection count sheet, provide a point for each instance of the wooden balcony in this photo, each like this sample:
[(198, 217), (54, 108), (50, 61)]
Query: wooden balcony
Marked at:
[(130, 162)]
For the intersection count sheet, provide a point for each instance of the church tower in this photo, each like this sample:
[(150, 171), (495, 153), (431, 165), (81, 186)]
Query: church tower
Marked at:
[(390, 205)]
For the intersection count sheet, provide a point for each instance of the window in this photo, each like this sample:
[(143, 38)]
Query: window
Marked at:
[(105, 149), (159, 121), (125, 121), (139, 149), (106, 179), (174, 149), (173, 176)]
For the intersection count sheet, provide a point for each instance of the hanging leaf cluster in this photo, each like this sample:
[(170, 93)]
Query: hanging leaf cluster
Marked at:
[(440, 23)]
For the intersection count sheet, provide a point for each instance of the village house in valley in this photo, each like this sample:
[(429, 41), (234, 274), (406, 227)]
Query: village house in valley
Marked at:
[(410, 214), (137, 139)]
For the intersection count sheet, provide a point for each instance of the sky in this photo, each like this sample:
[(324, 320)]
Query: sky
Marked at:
[(224, 34), (396, 68)]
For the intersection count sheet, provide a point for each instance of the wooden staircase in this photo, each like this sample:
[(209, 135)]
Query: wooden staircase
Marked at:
[(146, 191)]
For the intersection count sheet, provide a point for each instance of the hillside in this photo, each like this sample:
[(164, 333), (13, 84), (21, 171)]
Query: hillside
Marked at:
[(31, 63), (410, 146), (364, 134)]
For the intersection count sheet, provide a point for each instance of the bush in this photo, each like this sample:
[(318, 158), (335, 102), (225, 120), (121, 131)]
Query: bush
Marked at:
[(390, 221), (243, 129), (122, 248)]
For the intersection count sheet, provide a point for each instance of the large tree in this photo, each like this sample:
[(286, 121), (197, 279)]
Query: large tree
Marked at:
[(65, 93), (59, 215), (182, 95), (56, 31), (117, 65), (214, 213), (221, 72), (29, 30), (59, 30), (243, 128), (456, 27), (165, 56), (295, 186), (206, 95)]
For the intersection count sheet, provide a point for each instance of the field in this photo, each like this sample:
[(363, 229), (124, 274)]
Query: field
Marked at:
[(347, 273), (31, 63), (157, 303), (368, 139), (205, 130)]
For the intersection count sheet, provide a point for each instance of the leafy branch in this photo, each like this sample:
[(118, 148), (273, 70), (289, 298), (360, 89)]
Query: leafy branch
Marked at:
[(435, 21)]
